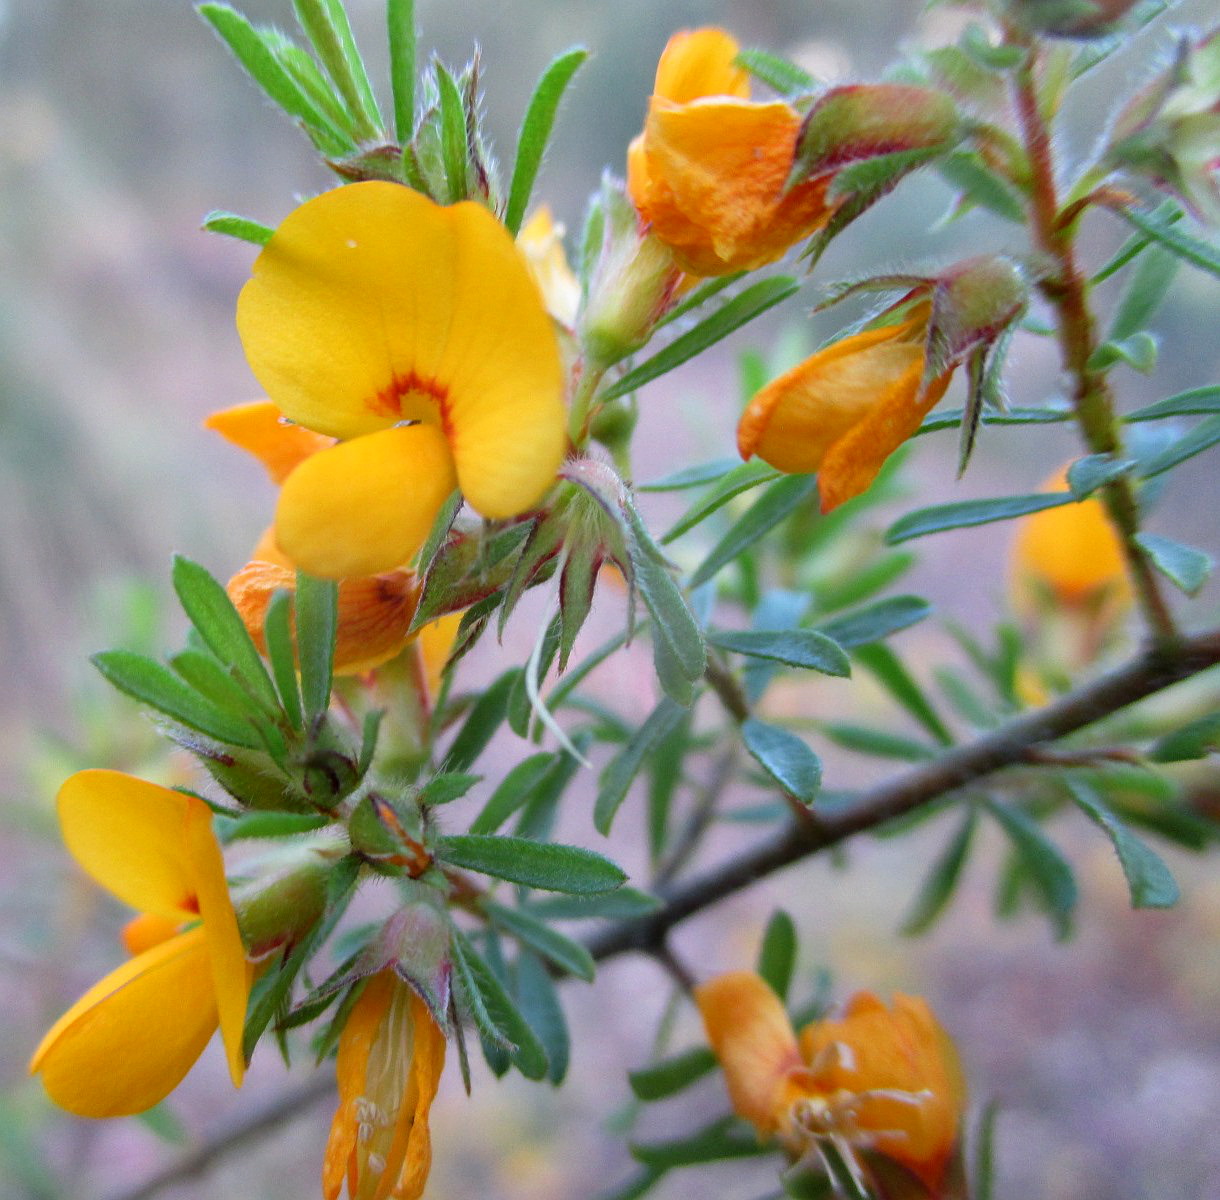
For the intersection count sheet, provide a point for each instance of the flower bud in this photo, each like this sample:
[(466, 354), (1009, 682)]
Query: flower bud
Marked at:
[(251, 777), (1069, 18), (390, 835), (974, 302), (280, 906)]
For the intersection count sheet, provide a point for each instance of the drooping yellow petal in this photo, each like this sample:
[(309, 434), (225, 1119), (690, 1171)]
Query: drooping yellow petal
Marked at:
[(262, 430), (699, 62), (371, 305), (129, 835), (541, 241), (365, 506), (129, 1040), (229, 969), (754, 1041)]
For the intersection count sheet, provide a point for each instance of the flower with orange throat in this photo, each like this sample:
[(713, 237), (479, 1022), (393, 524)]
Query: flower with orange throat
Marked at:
[(878, 1080), (844, 411), (708, 172), (416, 336), (391, 1054), (129, 1040)]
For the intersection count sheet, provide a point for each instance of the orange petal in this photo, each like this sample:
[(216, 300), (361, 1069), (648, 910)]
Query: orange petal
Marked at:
[(367, 505), (261, 429), (148, 930), (699, 62), (753, 1039), (435, 642), (129, 1040)]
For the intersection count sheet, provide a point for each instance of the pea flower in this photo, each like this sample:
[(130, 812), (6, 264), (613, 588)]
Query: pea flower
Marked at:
[(878, 1080), (708, 172), (130, 1039), (391, 1053), (415, 335)]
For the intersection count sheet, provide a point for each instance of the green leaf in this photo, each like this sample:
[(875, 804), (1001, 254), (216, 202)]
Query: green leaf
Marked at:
[(666, 768), (777, 956), (1048, 870), (780, 500), (1184, 566), (1195, 402), (446, 787), (1196, 739), (942, 879), (875, 621), (274, 825), (982, 1173), (277, 632), (1145, 291), (1093, 471), (623, 904), (1202, 437), (723, 1139), (250, 48), (672, 1075), (692, 477), (317, 610), (1198, 254), (879, 743), (982, 186), (547, 865), (400, 22), (1149, 880), (784, 757), (539, 1000), (482, 722), (700, 296), (157, 686), (325, 24), (751, 303), (640, 1184), (211, 611), (512, 792), (740, 479), (803, 648), (898, 681), (623, 768), (536, 132), (779, 74), (455, 146), (963, 513), (951, 418), (1139, 352), (560, 949), (210, 679), (231, 225)]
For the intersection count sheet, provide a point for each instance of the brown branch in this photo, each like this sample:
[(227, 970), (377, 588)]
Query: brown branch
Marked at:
[(1153, 671)]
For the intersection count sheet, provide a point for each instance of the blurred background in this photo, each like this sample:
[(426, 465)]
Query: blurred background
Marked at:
[(121, 124)]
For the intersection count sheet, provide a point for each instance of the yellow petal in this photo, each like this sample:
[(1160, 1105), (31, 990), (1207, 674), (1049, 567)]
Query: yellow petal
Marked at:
[(229, 970), (148, 930), (261, 429), (367, 505), (754, 1041), (435, 642), (541, 241), (129, 835), (371, 305), (699, 62), (129, 1040)]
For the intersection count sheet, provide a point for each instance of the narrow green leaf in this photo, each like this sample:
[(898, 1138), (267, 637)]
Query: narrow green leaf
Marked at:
[(625, 765), (1048, 870), (963, 513), (1136, 244), (700, 296), (640, 1184), (1139, 352), (951, 418), (277, 632), (1196, 739), (539, 1000), (1145, 291), (888, 668), (982, 1173), (1198, 254), (211, 611), (784, 757), (777, 955), (982, 186), (447, 786), (1202, 437), (1093, 471), (692, 477), (779, 74), (780, 500), (550, 943), (1150, 882), (325, 24), (212, 681), (157, 686), (666, 769), (536, 132), (454, 135), (303, 68), (512, 792), (875, 621), (274, 825), (740, 478), (723, 1139), (1195, 402), (622, 904), (880, 743), (546, 865), (482, 722), (243, 228), (672, 1075), (1184, 566), (400, 19), (317, 610), (751, 303), (941, 881), (370, 731), (803, 648)]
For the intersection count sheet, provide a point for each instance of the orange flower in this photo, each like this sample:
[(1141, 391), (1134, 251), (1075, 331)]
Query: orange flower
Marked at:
[(709, 169), (844, 411), (878, 1079), (391, 1054)]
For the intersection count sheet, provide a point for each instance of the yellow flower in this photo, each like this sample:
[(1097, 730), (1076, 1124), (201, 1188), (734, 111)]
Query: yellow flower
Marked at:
[(415, 335), (129, 1040), (541, 241), (878, 1079), (844, 411), (391, 1054), (709, 169)]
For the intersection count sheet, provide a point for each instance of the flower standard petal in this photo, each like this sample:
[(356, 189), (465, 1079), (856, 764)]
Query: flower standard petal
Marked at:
[(365, 506), (699, 62), (129, 834), (129, 1040), (262, 430)]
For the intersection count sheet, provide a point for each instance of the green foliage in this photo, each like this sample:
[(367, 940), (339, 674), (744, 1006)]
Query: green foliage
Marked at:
[(545, 865)]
